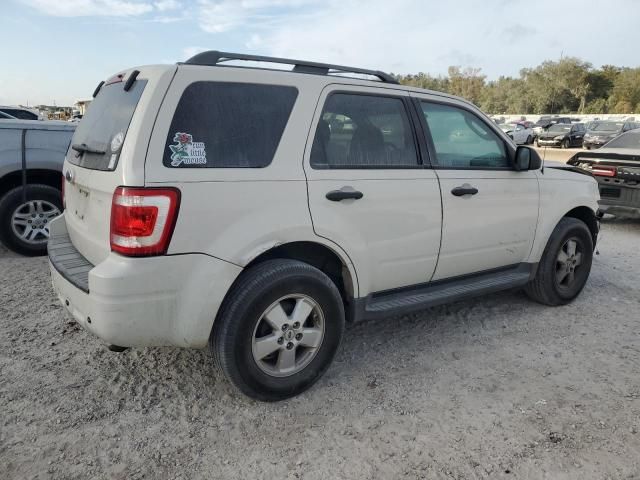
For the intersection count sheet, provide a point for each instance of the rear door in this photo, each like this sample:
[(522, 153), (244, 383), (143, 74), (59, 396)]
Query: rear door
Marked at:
[(369, 191), (108, 150), (490, 211)]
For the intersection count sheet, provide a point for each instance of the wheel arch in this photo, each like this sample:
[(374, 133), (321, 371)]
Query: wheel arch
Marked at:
[(52, 178), (324, 258), (588, 216)]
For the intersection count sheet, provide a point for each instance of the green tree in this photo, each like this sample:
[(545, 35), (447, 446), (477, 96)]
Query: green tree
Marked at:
[(468, 83), (625, 94)]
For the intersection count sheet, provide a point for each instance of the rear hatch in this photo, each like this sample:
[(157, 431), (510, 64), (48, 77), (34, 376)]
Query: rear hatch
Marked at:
[(108, 150)]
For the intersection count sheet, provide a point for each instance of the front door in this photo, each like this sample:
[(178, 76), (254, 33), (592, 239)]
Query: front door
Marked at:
[(368, 190), (490, 211)]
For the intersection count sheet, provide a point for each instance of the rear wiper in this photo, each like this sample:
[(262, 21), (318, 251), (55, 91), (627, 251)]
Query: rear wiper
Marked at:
[(84, 148)]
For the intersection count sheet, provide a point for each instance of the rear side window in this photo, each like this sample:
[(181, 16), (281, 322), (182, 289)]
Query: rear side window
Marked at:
[(20, 114), (364, 131), (228, 125), (102, 130)]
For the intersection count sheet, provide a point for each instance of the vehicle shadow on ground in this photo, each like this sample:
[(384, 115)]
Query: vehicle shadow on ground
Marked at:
[(370, 350)]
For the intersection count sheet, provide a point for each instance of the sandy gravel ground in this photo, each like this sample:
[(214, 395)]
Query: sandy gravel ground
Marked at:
[(498, 387)]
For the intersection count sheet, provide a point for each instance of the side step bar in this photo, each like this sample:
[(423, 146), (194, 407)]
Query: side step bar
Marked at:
[(411, 299)]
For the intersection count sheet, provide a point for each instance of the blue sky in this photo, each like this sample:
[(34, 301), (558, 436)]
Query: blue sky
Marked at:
[(63, 48)]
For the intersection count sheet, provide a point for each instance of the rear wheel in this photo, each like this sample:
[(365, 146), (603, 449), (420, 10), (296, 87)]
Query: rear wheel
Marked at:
[(565, 264), (278, 330), (566, 143), (529, 140), (25, 219)]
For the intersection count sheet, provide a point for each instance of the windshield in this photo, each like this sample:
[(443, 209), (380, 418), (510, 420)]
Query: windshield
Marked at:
[(506, 128), (559, 128), (607, 126), (627, 140), (108, 116)]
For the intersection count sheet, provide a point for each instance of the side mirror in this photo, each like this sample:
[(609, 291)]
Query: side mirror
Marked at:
[(526, 158)]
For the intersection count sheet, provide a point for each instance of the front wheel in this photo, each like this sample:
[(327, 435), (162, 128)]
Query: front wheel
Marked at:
[(529, 140), (278, 329), (25, 218), (566, 143), (565, 264)]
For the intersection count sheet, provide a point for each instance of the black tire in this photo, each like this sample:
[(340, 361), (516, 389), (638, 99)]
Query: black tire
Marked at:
[(252, 294), (12, 200), (529, 140), (566, 143), (537, 142), (545, 287)]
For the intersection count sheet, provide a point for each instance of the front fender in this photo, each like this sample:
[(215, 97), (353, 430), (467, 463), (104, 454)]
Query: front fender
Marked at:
[(560, 193)]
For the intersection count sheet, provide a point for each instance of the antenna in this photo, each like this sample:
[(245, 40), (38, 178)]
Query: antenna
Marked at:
[(553, 101)]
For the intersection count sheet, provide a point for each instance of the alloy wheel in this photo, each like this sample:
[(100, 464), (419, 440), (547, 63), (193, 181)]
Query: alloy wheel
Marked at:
[(568, 261), (30, 221), (288, 335)]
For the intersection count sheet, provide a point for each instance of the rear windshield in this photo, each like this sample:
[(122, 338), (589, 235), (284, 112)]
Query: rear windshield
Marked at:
[(102, 130), (228, 125), (627, 140)]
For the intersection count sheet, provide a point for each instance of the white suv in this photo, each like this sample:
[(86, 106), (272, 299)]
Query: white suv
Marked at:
[(257, 210)]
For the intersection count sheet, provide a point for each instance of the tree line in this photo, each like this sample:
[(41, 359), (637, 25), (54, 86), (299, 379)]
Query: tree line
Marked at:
[(569, 85)]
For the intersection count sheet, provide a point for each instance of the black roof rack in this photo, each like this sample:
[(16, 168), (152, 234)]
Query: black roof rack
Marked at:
[(214, 57)]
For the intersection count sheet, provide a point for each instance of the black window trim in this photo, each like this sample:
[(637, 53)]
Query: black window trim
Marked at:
[(510, 149), (224, 167), (420, 146)]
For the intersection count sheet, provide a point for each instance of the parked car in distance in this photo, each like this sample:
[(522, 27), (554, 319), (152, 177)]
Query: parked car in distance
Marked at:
[(562, 135), (255, 211), (518, 132), (21, 113), (602, 132), (28, 203), (545, 122), (616, 167)]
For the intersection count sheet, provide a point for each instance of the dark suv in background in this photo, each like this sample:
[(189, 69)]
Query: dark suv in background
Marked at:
[(545, 122)]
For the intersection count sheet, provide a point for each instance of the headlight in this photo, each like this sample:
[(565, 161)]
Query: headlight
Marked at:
[(559, 137)]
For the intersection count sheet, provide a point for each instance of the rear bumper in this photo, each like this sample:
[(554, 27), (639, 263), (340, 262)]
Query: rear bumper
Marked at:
[(618, 197), (154, 301)]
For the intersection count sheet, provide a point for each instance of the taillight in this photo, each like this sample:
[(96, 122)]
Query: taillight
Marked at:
[(603, 171), (142, 220)]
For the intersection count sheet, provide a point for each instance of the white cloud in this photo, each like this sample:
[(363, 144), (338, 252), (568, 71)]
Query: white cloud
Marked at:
[(407, 36), (217, 16), (164, 5), (86, 8), (189, 52)]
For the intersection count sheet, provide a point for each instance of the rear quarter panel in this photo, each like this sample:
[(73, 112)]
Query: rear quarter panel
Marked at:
[(236, 214)]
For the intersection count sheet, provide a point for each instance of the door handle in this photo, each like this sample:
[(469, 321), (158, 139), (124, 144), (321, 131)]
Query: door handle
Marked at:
[(465, 189), (344, 193)]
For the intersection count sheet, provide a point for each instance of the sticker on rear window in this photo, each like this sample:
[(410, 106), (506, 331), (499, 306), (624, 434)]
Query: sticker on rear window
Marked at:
[(187, 152)]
